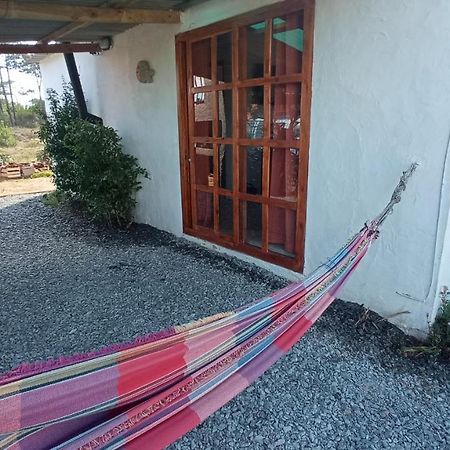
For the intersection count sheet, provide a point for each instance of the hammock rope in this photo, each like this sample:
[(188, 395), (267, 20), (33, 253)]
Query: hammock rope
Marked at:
[(148, 393)]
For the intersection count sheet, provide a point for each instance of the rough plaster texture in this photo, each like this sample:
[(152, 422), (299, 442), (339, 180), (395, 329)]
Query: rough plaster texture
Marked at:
[(381, 90)]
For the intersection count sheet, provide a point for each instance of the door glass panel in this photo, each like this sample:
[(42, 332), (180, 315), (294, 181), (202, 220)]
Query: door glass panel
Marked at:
[(287, 44), (250, 167), (252, 50), (252, 110), (284, 173), (243, 132), (226, 215), (285, 111), (204, 164), (226, 166), (224, 65), (205, 210), (203, 114), (225, 113), (282, 231), (201, 62), (251, 222)]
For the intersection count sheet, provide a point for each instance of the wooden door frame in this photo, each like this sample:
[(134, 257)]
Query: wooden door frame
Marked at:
[(233, 24)]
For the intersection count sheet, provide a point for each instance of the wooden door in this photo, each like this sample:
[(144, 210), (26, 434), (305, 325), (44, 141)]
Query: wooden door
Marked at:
[(244, 118)]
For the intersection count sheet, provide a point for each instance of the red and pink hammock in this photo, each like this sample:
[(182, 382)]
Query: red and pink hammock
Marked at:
[(147, 394)]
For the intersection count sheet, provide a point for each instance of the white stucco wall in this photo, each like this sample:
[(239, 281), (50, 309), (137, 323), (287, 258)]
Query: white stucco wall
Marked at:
[(381, 90)]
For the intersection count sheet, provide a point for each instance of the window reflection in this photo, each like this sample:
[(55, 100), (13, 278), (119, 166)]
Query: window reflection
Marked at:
[(224, 65), (225, 115), (254, 98), (203, 114), (252, 40), (287, 44), (285, 111)]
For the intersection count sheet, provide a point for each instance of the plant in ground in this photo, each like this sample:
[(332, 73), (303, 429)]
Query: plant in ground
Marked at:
[(4, 159), (89, 165), (439, 339), (440, 330), (63, 113), (42, 174), (53, 199), (108, 179), (7, 138)]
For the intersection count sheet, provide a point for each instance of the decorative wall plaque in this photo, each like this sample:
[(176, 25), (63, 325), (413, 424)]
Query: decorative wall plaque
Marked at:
[(144, 73)]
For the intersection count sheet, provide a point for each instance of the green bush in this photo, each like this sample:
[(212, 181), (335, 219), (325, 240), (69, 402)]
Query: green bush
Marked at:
[(4, 159), (88, 163), (42, 174), (54, 199), (62, 115), (7, 138), (27, 116)]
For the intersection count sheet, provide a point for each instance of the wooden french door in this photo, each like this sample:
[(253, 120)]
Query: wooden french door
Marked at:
[(244, 117)]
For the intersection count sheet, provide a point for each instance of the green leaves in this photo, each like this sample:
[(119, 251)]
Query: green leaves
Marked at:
[(89, 164), (7, 138)]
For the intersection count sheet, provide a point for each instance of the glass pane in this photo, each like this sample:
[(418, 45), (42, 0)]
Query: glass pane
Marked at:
[(226, 166), (224, 68), (203, 114), (284, 173), (250, 167), (225, 115), (287, 44), (253, 111), (285, 111), (251, 220), (201, 62), (205, 216), (282, 231), (226, 215), (252, 50), (204, 164)]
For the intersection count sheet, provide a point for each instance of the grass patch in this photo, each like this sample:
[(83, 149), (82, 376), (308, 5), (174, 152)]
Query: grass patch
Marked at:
[(54, 199), (439, 339), (42, 174), (26, 148)]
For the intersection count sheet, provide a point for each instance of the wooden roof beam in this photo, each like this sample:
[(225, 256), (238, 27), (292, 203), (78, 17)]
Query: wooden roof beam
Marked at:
[(49, 48), (64, 13), (61, 32)]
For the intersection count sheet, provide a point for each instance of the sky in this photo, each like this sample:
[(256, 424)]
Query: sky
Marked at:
[(22, 82)]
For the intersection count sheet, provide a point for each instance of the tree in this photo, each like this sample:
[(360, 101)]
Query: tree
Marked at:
[(22, 63), (5, 95)]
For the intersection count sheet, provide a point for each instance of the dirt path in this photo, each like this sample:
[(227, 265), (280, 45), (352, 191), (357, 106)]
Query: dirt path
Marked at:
[(26, 186)]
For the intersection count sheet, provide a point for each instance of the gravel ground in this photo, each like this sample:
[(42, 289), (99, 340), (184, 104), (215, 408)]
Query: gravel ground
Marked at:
[(69, 286)]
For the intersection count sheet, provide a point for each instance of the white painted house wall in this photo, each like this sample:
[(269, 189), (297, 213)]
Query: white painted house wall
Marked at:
[(381, 96)]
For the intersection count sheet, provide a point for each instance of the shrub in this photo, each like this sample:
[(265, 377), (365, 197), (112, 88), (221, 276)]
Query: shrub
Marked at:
[(107, 178), (7, 138), (62, 115), (4, 159), (88, 163), (53, 199), (43, 174)]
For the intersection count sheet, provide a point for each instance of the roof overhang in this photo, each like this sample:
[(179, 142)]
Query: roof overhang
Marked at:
[(78, 25)]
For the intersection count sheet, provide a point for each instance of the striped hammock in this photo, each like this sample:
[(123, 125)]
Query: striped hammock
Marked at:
[(147, 394)]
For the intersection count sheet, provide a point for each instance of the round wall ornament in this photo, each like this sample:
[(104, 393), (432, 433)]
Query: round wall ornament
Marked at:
[(144, 73)]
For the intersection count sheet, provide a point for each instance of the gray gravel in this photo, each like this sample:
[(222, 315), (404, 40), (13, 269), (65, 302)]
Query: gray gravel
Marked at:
[(67, 285)]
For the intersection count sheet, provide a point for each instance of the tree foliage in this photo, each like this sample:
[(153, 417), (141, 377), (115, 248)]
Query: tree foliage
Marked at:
[(22, 64), (7, 138)]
